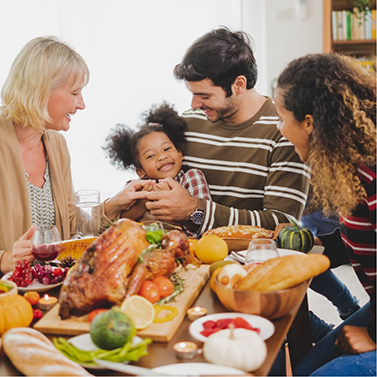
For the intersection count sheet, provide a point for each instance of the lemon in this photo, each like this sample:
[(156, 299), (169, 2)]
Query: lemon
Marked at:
[(140, 310), (211, 248)]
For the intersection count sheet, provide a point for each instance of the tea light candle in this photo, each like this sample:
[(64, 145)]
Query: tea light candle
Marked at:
[(196, 312), (185, 350), (47, 302)]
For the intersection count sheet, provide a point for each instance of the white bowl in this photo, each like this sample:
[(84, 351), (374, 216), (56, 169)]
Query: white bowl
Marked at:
[(13, 288)]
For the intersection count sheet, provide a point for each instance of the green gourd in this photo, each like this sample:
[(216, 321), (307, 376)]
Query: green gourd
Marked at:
[(296, 237)]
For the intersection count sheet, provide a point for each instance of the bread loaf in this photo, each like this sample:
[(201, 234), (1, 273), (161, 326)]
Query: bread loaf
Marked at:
[(240, 231), (33, 354), (283, 272)]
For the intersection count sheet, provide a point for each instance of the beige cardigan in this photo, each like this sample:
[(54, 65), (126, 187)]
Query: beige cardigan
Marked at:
[(15, 213)]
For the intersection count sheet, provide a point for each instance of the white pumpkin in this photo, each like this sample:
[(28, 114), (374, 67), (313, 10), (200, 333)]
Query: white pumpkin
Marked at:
[(237, 348)]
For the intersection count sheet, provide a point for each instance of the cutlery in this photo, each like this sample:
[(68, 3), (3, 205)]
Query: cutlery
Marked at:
[(126, 368), (240, 258)]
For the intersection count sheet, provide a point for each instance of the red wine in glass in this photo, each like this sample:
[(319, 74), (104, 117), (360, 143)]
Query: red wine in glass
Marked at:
[(46, 244), (46, 252)]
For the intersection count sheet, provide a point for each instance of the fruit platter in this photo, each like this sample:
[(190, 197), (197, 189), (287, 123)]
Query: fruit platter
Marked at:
[(39, 278)]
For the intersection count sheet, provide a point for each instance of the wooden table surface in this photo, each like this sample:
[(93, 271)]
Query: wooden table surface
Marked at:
[(163, 354)]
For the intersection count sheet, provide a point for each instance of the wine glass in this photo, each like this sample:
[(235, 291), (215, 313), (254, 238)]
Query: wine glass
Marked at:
[(46, 244), (260, 250)]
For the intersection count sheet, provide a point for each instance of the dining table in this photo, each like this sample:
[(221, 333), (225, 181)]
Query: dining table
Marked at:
[(293, 329)]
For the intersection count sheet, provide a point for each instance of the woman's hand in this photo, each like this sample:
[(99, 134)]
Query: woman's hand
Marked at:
[(354, 340), (127, 197)]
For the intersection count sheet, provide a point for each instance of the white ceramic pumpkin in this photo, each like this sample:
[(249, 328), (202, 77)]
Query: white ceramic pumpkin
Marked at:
[(237, 348)]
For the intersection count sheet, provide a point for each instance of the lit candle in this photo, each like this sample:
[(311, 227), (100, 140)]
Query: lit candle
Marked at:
[(185, 350), (196, 312), (47, 302)]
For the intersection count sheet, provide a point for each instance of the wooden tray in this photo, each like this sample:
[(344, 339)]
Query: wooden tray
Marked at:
[(195, 279)]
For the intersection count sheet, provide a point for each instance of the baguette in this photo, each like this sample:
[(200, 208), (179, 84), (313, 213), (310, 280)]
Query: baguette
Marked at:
[(33, 354), (240, 231), (283, 272)]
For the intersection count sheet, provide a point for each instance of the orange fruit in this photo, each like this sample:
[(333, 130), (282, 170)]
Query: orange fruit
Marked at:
[(33, 297), (211, 248), (193, 242), (212, 281)]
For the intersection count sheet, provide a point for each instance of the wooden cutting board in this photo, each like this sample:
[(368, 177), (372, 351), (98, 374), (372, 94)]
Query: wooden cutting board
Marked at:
[(195, 279)]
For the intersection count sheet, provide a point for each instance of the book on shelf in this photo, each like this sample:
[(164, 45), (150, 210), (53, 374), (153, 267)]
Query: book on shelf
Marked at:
[(353, 25), (373, 20)]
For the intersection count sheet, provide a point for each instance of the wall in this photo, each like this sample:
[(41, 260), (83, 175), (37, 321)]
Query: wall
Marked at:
[(131, 48)]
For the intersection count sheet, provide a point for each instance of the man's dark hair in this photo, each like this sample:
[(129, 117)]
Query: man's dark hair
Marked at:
[(221, 56)]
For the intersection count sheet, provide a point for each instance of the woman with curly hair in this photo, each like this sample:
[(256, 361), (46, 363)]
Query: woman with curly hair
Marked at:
[(154, 151), (327, 109)]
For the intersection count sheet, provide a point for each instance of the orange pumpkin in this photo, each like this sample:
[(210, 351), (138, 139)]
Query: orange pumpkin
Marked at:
[(15, 311)]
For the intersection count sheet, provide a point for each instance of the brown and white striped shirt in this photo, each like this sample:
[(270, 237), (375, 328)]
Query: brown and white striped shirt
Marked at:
[(253, 172)]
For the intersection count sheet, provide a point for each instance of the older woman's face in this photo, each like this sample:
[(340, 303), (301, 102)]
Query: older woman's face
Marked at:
[(296, 132), (63, 103)]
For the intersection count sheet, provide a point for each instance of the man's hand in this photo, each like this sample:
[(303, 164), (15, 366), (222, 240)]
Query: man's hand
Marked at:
[(127, 197), (354, 340), (174, 204)]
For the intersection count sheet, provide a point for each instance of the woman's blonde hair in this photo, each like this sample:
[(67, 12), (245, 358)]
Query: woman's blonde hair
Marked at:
[(43, 65), (341, 97)]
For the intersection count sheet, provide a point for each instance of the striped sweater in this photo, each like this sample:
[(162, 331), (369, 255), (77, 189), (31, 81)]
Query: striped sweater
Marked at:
[(253, 172), (357, 236)]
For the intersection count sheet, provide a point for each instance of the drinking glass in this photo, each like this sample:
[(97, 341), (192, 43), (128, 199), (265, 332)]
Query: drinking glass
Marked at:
[(46, 244), (88, 213), (260, 250)]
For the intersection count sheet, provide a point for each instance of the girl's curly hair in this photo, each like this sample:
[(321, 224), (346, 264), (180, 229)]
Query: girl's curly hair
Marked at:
[(341, 97), (122, 143)]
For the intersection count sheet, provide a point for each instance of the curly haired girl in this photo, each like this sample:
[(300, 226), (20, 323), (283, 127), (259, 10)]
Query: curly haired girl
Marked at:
[(327, 109), (154, 152)]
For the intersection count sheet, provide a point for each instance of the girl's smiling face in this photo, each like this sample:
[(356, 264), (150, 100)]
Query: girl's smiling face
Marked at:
[(158, 157)]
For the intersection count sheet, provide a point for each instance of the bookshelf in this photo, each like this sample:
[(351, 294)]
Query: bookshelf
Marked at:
[(354, 47)]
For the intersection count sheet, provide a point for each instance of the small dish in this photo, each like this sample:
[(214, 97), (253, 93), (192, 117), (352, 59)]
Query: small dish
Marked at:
[(35, 285), (198, 369), (10, 285), (266, 327)]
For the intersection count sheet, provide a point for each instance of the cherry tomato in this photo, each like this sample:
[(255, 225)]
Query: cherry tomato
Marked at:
[(57, 272), (165, 285), (150, 291), (33, 297), (94, 313)]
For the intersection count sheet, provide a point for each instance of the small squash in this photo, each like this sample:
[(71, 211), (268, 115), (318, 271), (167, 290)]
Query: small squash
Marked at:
[(15, 311), (237, 348), (296, 237)]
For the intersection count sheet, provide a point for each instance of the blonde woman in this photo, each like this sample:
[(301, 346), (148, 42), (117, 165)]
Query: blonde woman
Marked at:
[(42, 92), (327, 108)]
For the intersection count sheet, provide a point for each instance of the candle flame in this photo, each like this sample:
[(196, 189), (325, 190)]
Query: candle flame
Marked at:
[(182, 345), (198, 309), (46, 297)]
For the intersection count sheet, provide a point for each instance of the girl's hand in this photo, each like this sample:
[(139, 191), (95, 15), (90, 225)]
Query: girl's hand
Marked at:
[(162, 186), (354, 340), (174, 204)]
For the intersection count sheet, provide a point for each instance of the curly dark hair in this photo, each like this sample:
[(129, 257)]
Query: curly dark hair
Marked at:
[(122, 143), (221, 56), (341, 97)]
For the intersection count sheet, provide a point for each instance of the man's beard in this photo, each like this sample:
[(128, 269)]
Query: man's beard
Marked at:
[(222, 113)]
